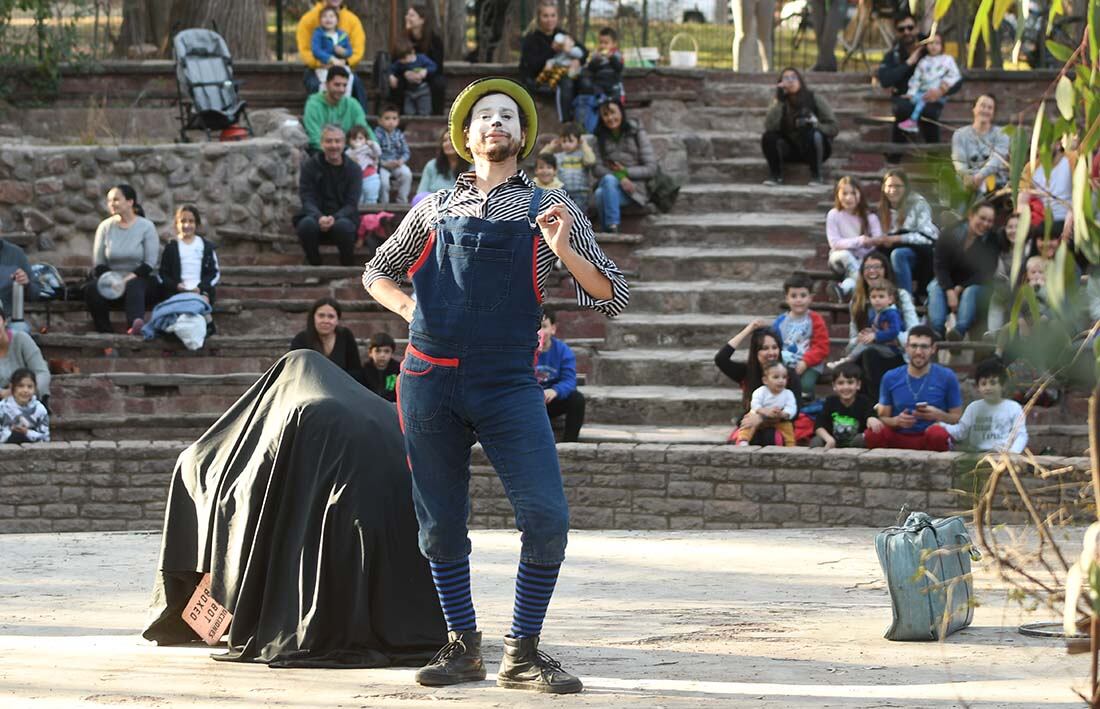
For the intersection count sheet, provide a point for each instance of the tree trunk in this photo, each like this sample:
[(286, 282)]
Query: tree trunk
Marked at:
[(375, 16), (454, 29), (243, 24)]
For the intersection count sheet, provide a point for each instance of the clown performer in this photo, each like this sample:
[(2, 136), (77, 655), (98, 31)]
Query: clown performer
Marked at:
[(478, 256)]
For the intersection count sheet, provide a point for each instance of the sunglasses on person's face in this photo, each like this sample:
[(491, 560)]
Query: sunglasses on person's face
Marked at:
[(906, 28)]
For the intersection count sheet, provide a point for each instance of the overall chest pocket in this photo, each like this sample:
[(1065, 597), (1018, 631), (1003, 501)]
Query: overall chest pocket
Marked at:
[(475, 278)]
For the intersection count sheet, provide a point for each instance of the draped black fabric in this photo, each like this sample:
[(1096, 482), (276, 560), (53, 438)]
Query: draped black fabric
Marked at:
[(298, 503)]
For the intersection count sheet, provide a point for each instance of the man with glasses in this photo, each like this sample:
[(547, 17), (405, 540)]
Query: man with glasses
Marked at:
[(915, 396), (894, 72)]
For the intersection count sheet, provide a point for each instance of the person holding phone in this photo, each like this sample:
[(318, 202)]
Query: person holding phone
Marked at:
[(915, 396), (799, 127)]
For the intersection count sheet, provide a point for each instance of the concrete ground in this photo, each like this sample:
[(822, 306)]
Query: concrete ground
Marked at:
[(775, 618)]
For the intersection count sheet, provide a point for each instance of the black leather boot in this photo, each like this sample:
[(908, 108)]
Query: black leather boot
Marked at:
[(458, 661), (525, 667)]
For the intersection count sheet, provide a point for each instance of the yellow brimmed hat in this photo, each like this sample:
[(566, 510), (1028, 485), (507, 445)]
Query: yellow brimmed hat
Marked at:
[(464, 103)]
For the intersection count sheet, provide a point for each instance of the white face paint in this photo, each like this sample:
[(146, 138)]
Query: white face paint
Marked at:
[(495, 132)]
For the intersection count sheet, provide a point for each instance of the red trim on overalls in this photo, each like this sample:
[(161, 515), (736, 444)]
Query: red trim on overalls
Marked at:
[(441, 361), (424, 253), (535, 268), (400, 418)]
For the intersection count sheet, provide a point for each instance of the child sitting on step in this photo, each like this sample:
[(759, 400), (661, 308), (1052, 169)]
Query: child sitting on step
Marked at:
[(884, 324), (366, 153), (935, 70), (804, 332), (575, 161), (546, 172), (991, 423), (849, 226), (774, 403), (23, 418)]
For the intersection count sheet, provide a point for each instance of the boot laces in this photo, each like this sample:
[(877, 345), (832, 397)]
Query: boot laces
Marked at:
[(452, 649), (544, 661)]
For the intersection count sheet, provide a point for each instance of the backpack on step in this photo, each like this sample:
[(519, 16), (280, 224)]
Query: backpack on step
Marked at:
[(927, 566)]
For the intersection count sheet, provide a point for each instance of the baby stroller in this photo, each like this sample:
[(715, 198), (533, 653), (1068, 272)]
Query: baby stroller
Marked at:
[(208, 97)]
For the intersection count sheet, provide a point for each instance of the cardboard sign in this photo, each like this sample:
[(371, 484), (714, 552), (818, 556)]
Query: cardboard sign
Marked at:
[(209, 619)]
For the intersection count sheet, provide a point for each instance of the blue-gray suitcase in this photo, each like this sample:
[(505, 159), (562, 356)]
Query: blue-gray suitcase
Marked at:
[(927, 566)]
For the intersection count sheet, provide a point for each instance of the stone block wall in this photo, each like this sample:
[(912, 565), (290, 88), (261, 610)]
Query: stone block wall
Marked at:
[(107, 486), (59, 192)]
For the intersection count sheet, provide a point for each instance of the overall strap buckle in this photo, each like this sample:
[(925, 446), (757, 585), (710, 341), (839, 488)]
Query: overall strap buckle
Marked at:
[(533, 208)]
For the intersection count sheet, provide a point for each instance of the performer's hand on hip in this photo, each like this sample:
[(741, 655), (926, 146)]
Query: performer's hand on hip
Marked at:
[(556, 223)]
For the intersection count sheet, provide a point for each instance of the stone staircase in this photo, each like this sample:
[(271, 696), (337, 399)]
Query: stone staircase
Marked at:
[(698, 275)]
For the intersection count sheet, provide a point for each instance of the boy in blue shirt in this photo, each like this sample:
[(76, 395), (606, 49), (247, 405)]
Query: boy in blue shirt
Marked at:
[(556, 371), (418, 94), (915, 396)]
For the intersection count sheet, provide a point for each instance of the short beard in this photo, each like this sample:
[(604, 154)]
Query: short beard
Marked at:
[(497, 152)]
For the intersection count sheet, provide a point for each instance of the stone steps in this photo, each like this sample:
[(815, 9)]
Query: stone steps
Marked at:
[(757, 228), (731, 144), (675, 331), (667, 263), (751, 197), (655, 365), (141, 393), (710, 296), (661, 405)]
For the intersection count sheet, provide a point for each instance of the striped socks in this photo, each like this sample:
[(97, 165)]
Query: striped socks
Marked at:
[(534, 587), (452, 584)]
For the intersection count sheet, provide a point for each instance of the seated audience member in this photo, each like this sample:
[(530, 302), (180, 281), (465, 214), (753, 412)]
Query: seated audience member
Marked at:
[(893, 74), (876, 361), (347, 22), (421, 33), (23, 418), (556, 371), (626, 161), (915, 396), (964, 262), (15, 269), (1054, 193), (332, 107), (441, 171), (991, 423), (843, 418), (536, 55), (331, 46), (765, 347), (936, 73), (417, 99), (575, 160), (366, 154), (329, 188), (395, 173), (909, 234), (546, 172), (1002, 291), (774, 404), (189, 263), (850, 227), (884, 326), (18, 350), (804, 332), (127, 244), (326, 335), (979, 151), (381, 372), (601, 79), (799, 127)]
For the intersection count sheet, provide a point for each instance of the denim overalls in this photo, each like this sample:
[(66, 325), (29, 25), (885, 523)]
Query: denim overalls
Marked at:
[(469, 369)]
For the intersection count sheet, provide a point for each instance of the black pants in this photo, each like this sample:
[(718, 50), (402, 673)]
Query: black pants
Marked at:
[(875, 364), (573, 408), (563, 95), (139, 294), (358, 90), (342, 233), (929, 129), (810, 147)]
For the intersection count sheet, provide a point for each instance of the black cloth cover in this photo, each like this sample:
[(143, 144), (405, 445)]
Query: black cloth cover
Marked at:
[(298, 502)]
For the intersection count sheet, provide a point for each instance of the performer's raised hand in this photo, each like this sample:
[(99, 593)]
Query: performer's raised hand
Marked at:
[(556, 223)]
